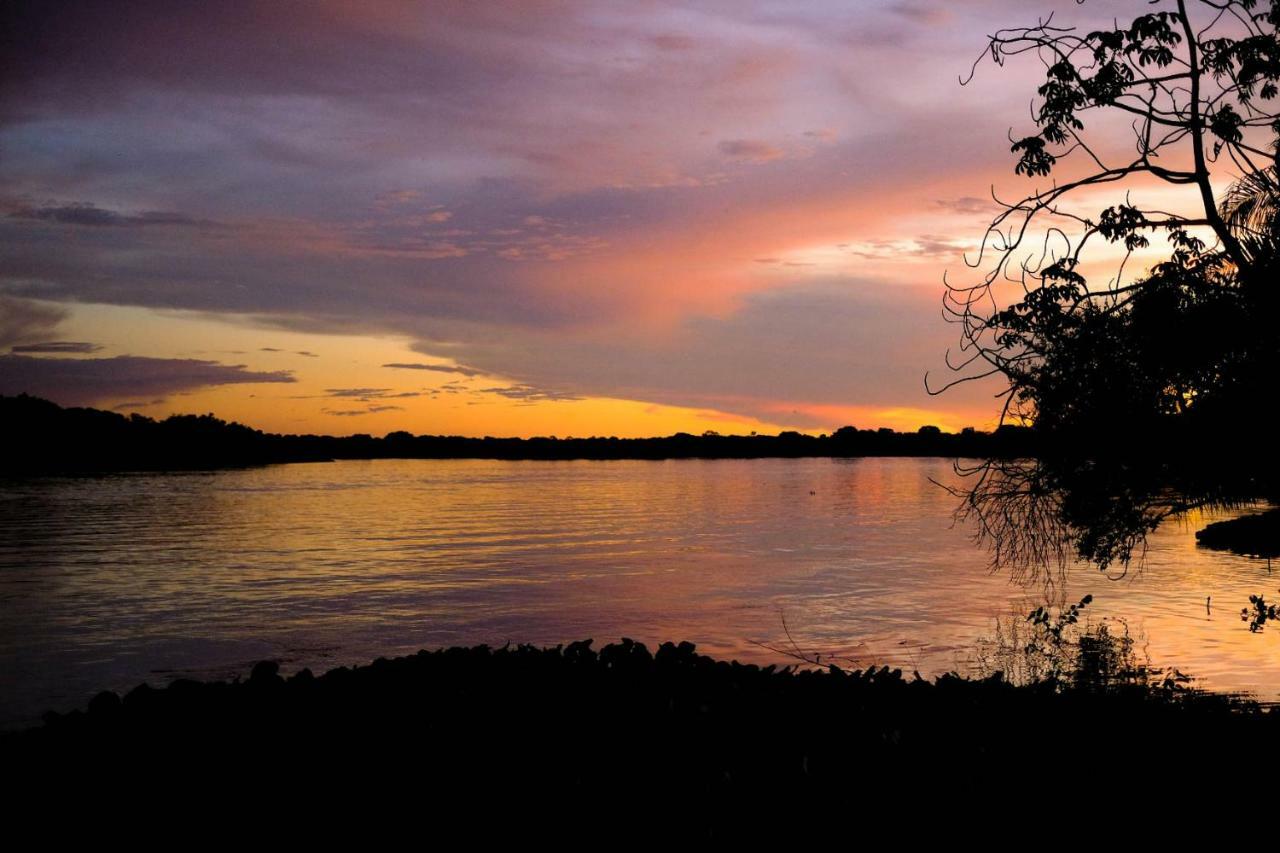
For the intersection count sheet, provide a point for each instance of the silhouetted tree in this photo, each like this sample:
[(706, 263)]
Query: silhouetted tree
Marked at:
[(1198, 83), (1127, 378)]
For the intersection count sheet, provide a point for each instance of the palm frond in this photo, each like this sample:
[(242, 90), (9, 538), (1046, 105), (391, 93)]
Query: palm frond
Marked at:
[(1250, 208)]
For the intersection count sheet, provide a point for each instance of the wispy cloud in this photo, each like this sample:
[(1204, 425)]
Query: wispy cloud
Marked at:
[(88, 214), (63, 347), (356, 392), (923, 246), (371, 410), (531, 394), (931, 12), (967, 205), (138, 404), (367, 395), (301, 352), (436, 368), (750, 150)]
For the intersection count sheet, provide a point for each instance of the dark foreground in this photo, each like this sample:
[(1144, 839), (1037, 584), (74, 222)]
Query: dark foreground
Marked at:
[(622, 743)]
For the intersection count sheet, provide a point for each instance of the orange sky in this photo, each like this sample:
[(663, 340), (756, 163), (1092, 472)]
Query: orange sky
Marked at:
[(557, 218)]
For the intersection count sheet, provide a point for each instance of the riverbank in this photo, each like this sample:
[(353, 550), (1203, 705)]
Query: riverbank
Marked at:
[(56, 440), (612, 728), (1253, 535)]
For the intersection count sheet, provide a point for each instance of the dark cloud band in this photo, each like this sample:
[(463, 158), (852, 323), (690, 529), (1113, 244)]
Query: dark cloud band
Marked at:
[(436, 368), (53, 347), (85, 381)]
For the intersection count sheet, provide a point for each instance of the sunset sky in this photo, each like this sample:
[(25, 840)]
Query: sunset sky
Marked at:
[(569, 218)]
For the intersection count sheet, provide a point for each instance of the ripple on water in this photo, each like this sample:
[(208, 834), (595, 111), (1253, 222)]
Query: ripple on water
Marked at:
[(108, 581)]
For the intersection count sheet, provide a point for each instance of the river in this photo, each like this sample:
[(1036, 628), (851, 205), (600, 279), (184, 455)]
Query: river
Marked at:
[(109, 581)]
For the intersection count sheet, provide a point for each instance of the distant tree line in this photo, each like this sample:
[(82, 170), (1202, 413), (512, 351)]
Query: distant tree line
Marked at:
[(41, 436)]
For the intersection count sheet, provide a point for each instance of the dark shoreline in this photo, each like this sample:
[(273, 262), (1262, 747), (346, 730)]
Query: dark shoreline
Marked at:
[(576, 725), (1254, 535), (54, 440)]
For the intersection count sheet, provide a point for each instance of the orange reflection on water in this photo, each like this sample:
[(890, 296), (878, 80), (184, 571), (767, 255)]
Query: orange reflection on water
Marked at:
[(110, 581)]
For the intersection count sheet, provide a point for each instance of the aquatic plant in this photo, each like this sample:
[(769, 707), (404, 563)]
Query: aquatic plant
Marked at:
[(1059, 648), (1259, 613)]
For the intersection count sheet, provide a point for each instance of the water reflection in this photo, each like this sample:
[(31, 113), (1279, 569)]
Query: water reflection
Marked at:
[(1039, 515), (105, 582)]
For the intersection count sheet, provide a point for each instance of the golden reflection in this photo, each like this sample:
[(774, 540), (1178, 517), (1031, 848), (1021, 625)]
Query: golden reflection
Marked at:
[(328, 563)]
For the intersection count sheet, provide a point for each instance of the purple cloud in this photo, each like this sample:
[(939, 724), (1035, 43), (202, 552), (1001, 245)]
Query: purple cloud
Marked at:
[(23, 321), (530, 394), (543, 186), (84, 381), (750, 150), (371, 410), (52, 347), (91, 215), (436, 368)]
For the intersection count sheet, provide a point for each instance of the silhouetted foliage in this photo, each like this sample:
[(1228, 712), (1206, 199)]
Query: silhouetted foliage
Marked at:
[(1061, 648), (624, 740), (1259, 613), (1193, 337), (1146, 394), (1038, 514)]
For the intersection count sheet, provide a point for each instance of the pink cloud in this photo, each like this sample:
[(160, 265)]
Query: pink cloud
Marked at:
[(564, 191)]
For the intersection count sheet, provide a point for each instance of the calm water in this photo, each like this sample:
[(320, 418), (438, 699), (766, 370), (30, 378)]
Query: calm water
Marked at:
[(111, 581)]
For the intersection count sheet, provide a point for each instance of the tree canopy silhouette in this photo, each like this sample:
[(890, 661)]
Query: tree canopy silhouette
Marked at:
[(1190, 341), (1143, 371)]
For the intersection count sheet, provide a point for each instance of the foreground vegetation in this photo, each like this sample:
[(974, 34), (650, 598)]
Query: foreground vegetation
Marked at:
[(671, 739)]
